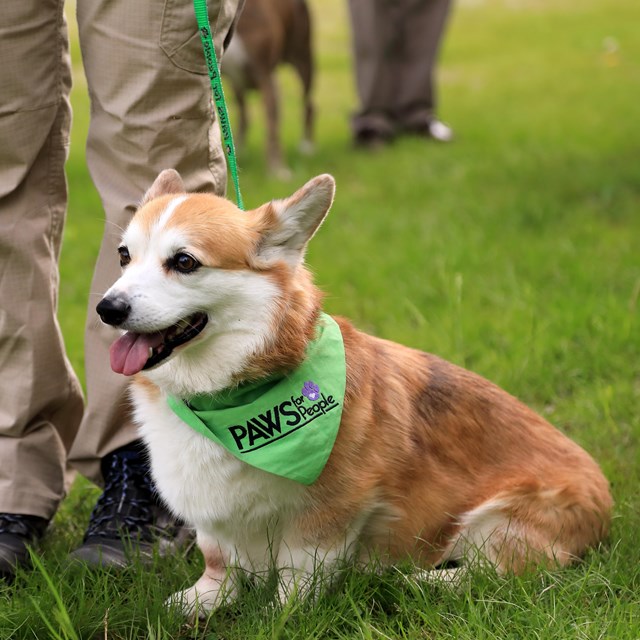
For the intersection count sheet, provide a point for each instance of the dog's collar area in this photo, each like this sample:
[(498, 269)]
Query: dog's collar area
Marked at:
[(285, 425)]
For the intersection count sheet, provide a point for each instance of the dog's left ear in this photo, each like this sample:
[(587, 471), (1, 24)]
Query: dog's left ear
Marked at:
[(289, 224), (169, 181)]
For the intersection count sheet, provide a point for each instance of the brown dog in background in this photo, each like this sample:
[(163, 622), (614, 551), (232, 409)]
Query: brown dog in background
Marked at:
[(269, 33)]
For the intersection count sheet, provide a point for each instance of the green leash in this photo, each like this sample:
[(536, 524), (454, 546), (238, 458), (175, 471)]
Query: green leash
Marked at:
[(202, 16)]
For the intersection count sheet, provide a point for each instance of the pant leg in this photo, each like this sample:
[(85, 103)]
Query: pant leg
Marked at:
[(151, 109), (40, 398), (424, 26), (377, 43)]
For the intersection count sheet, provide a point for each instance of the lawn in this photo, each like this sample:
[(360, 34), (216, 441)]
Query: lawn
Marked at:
[(513, 252)]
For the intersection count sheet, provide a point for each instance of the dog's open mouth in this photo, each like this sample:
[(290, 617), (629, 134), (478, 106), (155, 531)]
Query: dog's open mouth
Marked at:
[(134, 352)]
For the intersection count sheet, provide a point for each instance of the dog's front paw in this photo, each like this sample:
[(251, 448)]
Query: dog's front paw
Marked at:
[(202, 598)]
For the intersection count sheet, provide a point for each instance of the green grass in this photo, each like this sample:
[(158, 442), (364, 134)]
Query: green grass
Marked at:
[(513, 252)]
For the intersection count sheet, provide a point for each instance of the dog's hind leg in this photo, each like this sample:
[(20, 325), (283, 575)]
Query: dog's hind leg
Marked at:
[(532, 525)]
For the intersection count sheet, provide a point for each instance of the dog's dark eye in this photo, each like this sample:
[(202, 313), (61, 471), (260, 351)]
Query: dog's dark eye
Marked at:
[(125, 258), (184, 263)]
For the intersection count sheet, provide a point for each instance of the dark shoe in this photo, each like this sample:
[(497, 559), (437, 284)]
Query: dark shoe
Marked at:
[(129, 521), (17, 533), (371, 139)]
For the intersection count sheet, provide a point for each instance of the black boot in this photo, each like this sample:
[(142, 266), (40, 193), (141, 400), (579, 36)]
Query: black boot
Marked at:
[(129, 521), (17, 532)]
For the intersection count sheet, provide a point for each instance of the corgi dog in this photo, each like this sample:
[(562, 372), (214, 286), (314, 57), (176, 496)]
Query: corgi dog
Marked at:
[(428, 462)]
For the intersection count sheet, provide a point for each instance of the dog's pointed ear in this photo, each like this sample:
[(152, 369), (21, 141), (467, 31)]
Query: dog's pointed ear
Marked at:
[(169, 181), (289, 224)]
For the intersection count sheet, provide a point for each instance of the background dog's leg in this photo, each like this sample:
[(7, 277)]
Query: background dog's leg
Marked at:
[(243, 117), (304, 68), (272, 112), (299, 54)]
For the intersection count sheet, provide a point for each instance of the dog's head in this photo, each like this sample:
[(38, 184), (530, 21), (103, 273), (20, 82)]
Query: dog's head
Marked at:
[(203, 281)]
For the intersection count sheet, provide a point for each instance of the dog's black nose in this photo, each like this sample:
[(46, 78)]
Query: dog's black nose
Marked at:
[(113, 311)]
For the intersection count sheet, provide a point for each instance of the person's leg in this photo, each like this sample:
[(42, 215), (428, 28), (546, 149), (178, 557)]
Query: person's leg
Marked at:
[(151, 109), (377, 41), (424, 26), (40, 398)]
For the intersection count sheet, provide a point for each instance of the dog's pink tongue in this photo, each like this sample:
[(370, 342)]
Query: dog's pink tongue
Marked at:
[(130, 352)]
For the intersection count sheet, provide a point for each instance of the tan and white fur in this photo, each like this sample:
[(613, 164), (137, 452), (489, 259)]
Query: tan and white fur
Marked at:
[(431, 461), (270, 33)]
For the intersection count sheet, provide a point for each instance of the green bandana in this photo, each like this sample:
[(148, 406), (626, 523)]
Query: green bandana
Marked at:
[(286, 426)]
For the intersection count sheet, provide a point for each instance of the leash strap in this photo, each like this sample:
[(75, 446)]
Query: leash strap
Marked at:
[(202, 17)]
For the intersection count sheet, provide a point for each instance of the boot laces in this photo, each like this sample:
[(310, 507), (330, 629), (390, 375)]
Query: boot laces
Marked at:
[(29, 527), (126, 506)]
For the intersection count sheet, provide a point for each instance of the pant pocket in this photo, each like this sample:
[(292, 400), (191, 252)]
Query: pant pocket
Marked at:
[(179, 35)]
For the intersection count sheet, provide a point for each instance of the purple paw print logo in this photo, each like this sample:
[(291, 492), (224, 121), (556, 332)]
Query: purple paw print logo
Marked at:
[(311, 390)]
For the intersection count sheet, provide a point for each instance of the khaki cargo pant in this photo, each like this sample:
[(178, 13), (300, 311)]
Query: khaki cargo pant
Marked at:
[(395, 49), (150, 110)]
